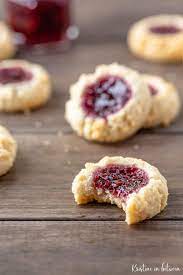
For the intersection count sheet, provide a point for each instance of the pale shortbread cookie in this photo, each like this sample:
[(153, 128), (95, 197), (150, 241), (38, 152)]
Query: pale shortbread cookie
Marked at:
[(8, 150), (138, 188), (7, 46), (119, 124), (23, 86), (158, 38), (165, 101)]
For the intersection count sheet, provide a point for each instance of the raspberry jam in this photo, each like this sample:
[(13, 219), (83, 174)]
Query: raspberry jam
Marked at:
[(166, 29), (106, 96), (39, 21), (153, 90), (120, 180), (14, 75)]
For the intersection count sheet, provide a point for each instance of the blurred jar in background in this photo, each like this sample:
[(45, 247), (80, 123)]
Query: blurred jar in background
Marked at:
[(40, 21)]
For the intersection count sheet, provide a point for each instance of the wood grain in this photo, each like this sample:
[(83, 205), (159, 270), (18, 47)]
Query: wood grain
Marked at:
[(103, 21), (65, 70), (75, 248), (39, 186), (43, 231)]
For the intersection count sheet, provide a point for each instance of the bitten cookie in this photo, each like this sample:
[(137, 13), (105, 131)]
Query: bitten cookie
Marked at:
[(158, 38), (109, 105), (7, 47), (23, 86), (8, 149), (165, 101), (132, 184)]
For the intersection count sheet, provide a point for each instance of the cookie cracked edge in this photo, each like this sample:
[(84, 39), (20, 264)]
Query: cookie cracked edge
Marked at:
[(146, 203), (119, 125)]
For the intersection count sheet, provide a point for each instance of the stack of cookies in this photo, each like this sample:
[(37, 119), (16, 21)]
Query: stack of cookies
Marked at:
[(114, 102)]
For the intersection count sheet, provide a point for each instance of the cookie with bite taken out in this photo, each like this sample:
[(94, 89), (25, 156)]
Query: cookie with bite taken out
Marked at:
[(132, 184)]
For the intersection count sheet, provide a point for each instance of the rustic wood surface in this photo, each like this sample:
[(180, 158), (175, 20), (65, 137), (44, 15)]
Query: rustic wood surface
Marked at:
[(43, 231), (89, 247)]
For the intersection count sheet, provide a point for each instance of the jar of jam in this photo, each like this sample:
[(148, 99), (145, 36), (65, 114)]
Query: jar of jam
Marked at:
[(40, 21)]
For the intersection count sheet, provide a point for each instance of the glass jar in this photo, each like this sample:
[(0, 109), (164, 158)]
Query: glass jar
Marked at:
[(40, 21)]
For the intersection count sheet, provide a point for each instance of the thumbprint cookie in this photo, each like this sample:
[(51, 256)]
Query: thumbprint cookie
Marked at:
[(132, 184), (8, 149), (158, 38), (109, 105), (165, 101), (7, 46), (23, 86)]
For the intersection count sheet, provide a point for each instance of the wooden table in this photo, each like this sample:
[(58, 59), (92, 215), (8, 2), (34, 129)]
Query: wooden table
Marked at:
[(42, 230)]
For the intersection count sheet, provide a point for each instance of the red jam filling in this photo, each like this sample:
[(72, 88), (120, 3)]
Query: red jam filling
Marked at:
[(153, 90), (106, 96), (165, 29), (14, 75), (120, 180)]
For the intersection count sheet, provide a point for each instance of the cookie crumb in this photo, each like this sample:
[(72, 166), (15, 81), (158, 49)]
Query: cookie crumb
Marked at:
[(46, 142), (136, 147), (76, 149), (66, 149), (59, 133), (38, 124)]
